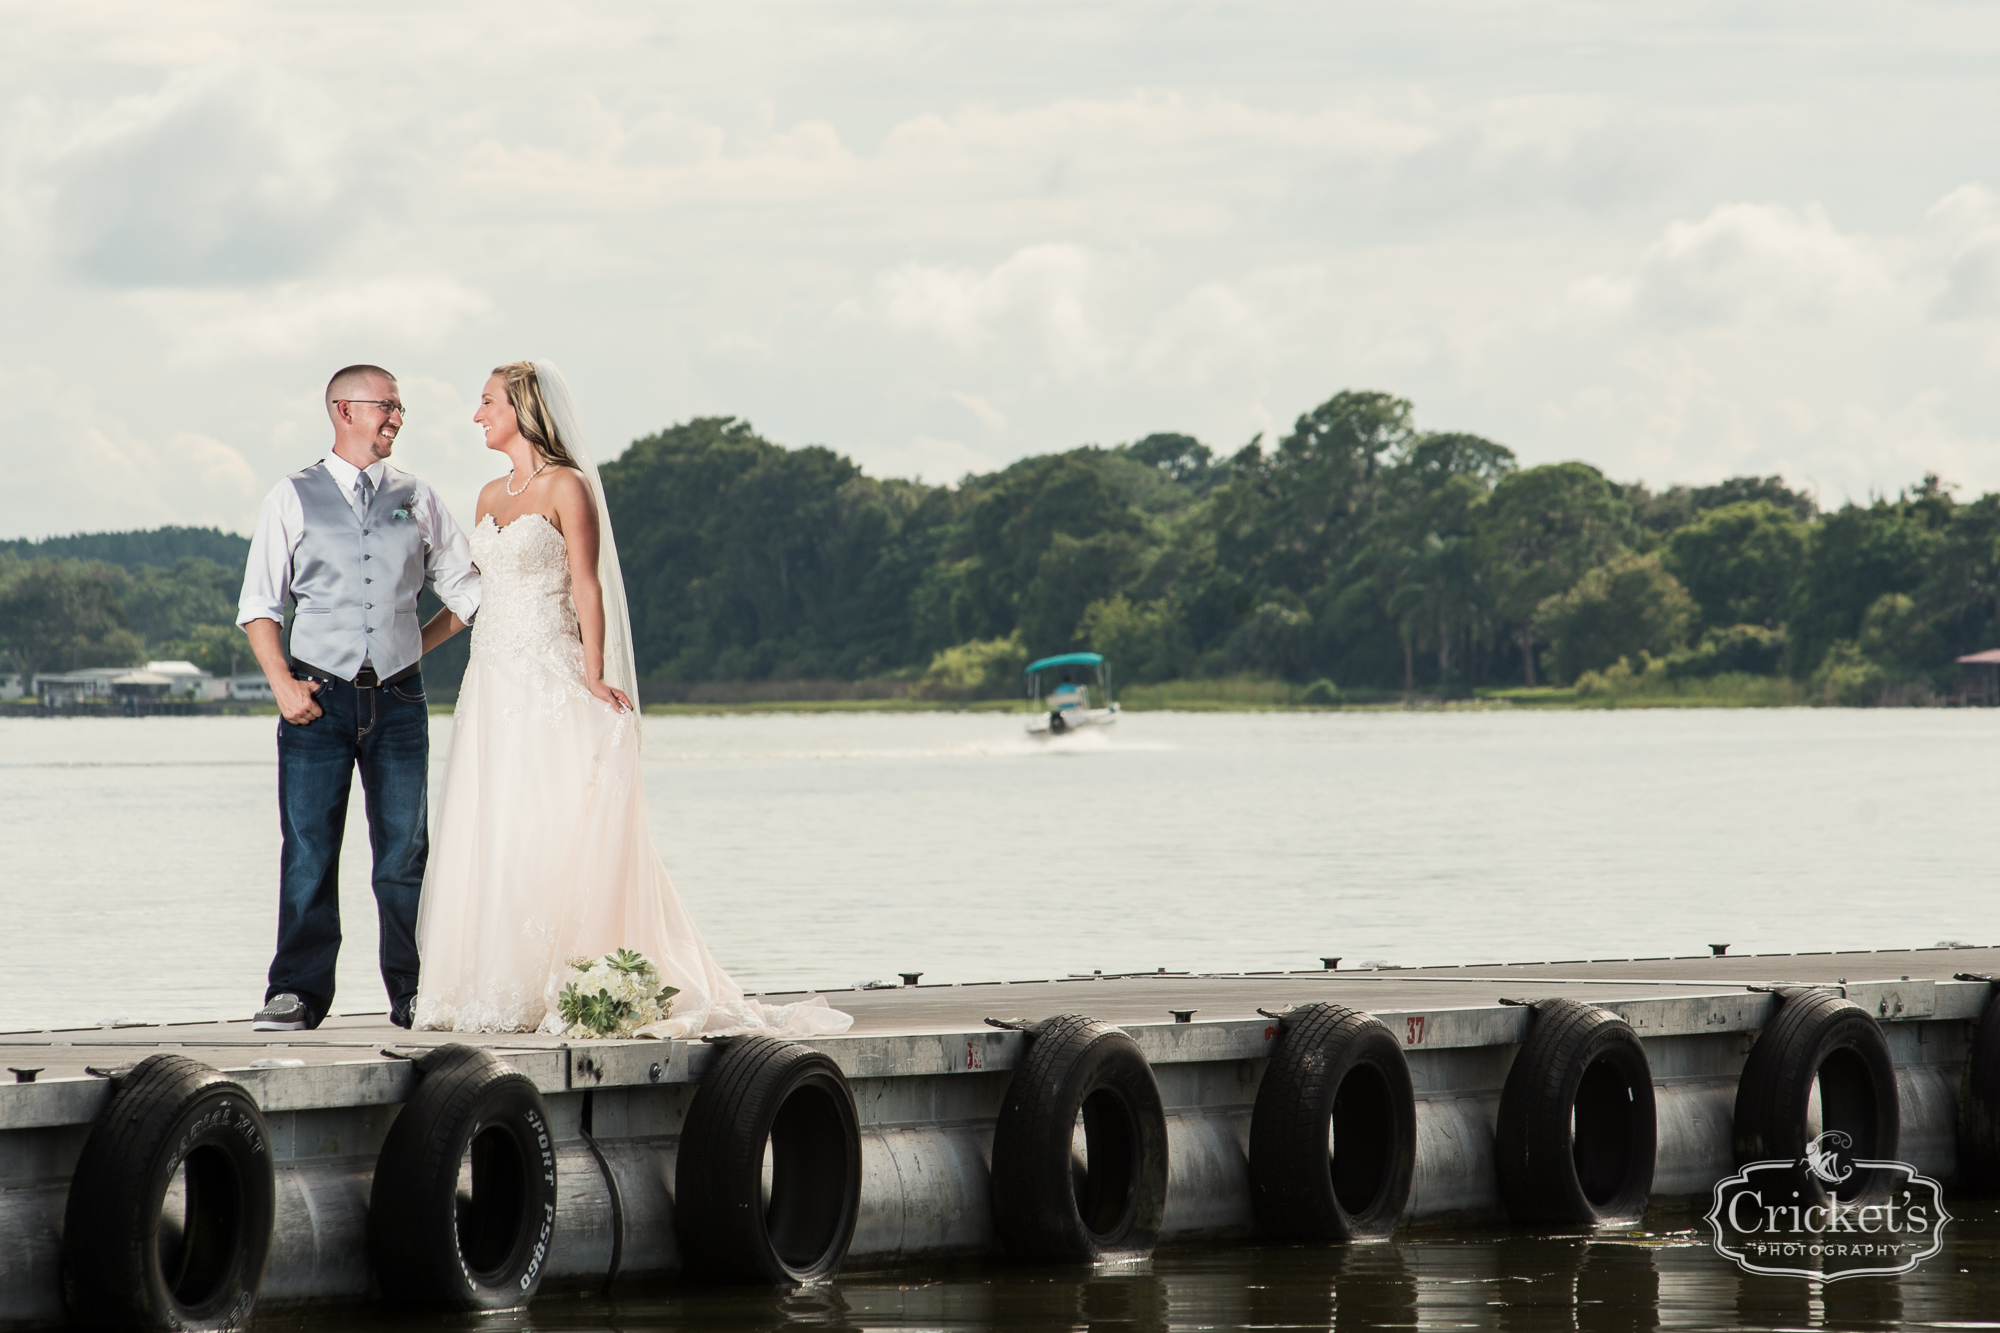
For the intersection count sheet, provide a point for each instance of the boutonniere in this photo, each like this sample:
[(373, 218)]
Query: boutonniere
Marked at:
[(400, 513)]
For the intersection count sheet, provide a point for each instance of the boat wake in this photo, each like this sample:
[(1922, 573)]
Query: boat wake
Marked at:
[(1082, 742)]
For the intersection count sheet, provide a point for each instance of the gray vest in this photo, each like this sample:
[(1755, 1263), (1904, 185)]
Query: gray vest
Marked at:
[(356, 580)]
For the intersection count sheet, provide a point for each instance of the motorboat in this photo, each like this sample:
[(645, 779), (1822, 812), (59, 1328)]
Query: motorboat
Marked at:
[(1059, 689)]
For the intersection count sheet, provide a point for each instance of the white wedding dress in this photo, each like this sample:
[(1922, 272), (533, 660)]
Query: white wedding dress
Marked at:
[(540, 852)]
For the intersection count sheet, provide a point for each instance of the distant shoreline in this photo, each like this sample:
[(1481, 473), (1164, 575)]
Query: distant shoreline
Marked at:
[(1142, 699)]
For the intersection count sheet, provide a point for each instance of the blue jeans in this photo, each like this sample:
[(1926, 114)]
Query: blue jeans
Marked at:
[(386, 731)]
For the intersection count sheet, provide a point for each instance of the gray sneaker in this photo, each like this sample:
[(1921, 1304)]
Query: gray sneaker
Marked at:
[(281, 1013)]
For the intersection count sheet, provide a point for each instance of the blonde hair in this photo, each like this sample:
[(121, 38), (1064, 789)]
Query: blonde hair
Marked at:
[(531, 411)]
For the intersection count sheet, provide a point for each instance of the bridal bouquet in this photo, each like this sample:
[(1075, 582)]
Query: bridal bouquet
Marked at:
[(613, 996)]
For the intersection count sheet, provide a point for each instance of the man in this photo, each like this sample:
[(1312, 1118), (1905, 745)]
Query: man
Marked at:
[(349, 542)]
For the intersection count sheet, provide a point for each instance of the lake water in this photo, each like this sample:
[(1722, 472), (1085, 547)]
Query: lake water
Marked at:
[(1468, 1280), (138, 858)]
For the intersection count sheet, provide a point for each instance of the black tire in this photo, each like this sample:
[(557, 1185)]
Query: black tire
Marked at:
[(1578, 1128), (1818, 1041), (1333, 1137), (1049, 1201), (168, 1223), (1979, 1105), (764, 1097), (485, 1248)]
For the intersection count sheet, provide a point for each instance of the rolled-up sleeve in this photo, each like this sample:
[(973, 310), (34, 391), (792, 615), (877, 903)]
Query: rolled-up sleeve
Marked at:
[(448, 570), (267, 574)]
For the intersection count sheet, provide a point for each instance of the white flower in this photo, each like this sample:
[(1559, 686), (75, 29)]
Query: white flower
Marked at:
[(614, 996)]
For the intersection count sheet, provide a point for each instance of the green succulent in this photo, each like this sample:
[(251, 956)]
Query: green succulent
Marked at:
[(598, 1012), (627, 961)]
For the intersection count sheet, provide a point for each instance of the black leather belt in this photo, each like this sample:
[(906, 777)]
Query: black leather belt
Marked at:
[(367, 680)]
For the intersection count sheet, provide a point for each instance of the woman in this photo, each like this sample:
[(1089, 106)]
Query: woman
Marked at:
[(541, 852)]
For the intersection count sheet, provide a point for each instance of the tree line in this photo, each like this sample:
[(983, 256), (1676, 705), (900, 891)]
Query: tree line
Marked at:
[(1356, 548), (121, 598)]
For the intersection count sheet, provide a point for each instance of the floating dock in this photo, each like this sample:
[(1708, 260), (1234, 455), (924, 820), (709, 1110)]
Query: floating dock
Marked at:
[(360, 1162)]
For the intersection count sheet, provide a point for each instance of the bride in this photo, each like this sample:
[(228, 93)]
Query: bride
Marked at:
[(541, 852)]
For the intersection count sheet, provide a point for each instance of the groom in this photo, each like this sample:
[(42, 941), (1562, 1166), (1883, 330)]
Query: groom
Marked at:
[(348, 543)]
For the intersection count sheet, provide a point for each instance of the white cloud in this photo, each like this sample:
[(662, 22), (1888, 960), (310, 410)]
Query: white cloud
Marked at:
[(1965, 227), (72, 466), (1531, 152), (1765, 339), (1043, 292), (1747, 263), (230, 172), (1675, 243), (992, 417), (934, 458), (216, 327)]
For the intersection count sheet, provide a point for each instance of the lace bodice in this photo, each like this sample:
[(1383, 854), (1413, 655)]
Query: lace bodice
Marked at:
[(525, 608)]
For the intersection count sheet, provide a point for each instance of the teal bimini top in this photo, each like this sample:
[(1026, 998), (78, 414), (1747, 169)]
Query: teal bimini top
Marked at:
[(1066, 659)]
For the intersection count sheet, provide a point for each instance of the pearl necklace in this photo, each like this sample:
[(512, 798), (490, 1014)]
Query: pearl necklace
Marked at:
[(526, 484)]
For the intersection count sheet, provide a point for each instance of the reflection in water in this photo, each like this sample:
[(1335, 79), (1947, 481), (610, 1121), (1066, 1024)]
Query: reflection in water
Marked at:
[(1459, 1280)]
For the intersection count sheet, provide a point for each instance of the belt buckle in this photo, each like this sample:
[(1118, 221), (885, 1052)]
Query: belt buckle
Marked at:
[(366, 679)]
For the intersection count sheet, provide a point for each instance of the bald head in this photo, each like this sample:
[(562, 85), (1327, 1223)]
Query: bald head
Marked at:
[(366, 411), (358, 382)]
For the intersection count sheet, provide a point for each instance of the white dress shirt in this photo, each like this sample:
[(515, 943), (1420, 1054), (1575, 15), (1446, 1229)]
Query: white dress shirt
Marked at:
[(281, 525)]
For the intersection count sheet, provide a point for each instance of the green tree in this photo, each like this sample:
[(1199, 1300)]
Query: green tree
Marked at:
[(1432, 458), (1070, 576), (1896, 638), (988, 668), (159, 547), (1961, 586), (1662, 512), (1425, 534), (223, 650), (1275, 639), (62, 615), (743, 559), (1355, 548), (1049, 536), (1137, 637), (1740, 562), (1411, 579), (1183, 458), (1900, 634), (164, 604), (1627, 607), (1742, 490), (1438, 600), (1857, 555), (1364, 620), (1540, 531), (1751, 650), (1290, 519)]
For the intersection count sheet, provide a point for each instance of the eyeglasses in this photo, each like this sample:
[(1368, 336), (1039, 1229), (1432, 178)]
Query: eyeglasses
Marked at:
[(387, 405)]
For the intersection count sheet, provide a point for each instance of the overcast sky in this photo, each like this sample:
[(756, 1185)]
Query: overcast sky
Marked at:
[(1679, 242)]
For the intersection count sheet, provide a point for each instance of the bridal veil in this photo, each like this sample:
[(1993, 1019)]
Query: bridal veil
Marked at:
[(620, 667)]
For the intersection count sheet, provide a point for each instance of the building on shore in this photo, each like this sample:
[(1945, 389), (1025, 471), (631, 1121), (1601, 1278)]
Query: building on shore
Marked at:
[(251, 688), (11, 685), (154, 681), (190, 681), (1981, 678), (63, 689)]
